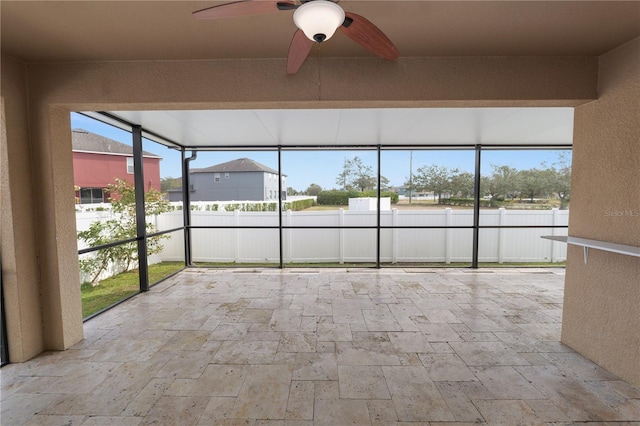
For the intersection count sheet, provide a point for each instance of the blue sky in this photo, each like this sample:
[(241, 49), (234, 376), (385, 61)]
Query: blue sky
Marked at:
[(322, 167)]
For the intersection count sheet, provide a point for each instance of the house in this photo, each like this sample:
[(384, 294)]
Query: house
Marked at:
[(98, 161), (238, 180), (59, 57)]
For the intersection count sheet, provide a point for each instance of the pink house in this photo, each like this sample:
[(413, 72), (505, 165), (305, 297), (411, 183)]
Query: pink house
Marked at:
[(98, 161)]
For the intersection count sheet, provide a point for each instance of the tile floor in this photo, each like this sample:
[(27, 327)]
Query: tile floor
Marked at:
[(328, 347)]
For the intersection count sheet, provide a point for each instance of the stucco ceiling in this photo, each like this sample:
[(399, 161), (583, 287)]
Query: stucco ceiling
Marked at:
[(63, 31), (69, 31)]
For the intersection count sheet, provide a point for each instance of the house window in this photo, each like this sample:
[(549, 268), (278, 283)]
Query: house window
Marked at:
[(226, 175), (91, 195), (130, 165), (216, 177)]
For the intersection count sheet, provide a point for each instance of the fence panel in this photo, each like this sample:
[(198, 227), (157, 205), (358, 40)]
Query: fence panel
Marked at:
[(359, 245)]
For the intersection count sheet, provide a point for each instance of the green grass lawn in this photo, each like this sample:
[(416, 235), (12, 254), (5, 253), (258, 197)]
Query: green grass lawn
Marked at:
[(121, 286)]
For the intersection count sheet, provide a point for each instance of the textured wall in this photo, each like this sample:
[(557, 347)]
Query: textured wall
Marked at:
[(331, 82), (602, 299), (20, 275)]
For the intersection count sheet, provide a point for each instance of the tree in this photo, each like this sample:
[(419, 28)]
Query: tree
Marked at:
[(314, 189), (119, 228), (168, 183), (363, 177), (384, 184), (462, 184), (560, 179), (436, 179), (343, 180), (533, 183), (356, 175), (503, 183)]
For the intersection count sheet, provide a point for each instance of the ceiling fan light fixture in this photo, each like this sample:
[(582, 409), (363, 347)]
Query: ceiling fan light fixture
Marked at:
[(319, 19)]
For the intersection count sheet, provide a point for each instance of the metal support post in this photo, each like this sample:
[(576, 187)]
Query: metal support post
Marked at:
[(476, 209), (378, 210), (141, 220), (280, 208), (186, 205)]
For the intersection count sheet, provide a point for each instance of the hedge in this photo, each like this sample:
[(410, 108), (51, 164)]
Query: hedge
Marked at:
[(373, 194), (298, 204), (266, 206), (468, 202), (341, 198)]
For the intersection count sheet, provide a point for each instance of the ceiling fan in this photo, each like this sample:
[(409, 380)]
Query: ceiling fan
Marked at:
[(317, 21)]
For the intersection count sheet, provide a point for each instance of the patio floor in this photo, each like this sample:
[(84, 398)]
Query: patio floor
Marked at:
[(324, 347)]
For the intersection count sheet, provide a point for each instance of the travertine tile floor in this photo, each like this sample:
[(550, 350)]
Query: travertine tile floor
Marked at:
[(325, 347)]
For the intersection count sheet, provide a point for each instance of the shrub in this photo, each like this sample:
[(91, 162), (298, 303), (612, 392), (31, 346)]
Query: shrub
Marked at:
[(341, 198), (337, 198), (383, 194), (122, 227), (468, 202), (298, 204)]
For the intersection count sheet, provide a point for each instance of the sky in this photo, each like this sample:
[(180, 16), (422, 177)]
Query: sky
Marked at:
[(303, 168)]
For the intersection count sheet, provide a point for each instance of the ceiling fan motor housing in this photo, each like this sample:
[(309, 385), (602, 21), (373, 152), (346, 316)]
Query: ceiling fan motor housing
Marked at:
[(319, 19)]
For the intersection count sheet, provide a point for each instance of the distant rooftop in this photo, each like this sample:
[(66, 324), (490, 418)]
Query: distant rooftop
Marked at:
[(239, 165), (86, 141)]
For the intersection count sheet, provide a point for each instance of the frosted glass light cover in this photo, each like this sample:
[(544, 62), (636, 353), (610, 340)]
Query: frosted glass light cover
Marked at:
[(319, 19)]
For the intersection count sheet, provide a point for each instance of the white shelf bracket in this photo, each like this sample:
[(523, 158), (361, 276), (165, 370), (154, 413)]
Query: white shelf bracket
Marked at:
[(595, 244)]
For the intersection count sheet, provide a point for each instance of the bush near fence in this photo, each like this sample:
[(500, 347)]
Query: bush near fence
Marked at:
[(341, 198), (246, 206), (467, 202), (383, 194), (511, 204)]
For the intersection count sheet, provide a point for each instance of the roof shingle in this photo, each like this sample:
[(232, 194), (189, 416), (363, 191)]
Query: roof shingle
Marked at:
[(239, 165), (85, 141)]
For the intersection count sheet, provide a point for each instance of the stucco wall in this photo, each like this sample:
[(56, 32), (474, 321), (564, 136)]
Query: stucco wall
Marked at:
[(602, 298), (20, 274), (344, 82)]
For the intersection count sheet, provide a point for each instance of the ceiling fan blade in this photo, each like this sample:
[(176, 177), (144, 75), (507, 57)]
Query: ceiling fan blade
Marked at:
[(369, 36), (243, 8), (298, 51)]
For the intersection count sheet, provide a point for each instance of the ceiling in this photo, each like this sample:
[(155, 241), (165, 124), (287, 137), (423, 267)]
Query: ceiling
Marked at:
[(65, 31), (70, 31), (357, 127)]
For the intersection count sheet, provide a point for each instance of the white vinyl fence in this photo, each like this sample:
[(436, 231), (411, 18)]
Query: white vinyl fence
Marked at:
[(359, 245)]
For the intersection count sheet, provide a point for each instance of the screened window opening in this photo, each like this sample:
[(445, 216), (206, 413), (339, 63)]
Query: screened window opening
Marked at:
[(416, 205)]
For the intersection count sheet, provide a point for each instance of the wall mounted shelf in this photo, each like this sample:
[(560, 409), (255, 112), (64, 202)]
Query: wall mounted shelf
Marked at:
[(596, 244)]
